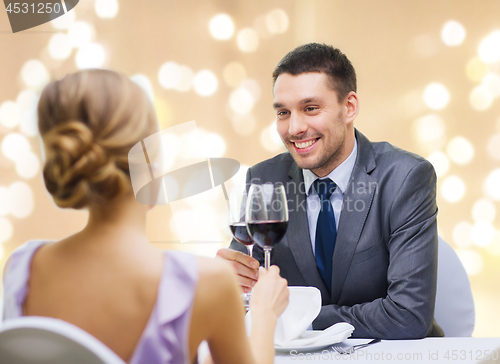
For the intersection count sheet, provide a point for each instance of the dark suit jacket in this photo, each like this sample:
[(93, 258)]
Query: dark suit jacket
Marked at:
[(385, 258)]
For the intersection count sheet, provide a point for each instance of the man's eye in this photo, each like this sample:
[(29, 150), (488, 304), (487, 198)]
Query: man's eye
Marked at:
[(281, 113), (310, 108)]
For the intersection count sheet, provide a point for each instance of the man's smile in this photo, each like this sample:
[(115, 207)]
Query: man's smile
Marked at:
[(304, 146)]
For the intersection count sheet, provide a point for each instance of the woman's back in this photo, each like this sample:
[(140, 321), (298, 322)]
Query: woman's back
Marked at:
[(142, 315), (95, 288)]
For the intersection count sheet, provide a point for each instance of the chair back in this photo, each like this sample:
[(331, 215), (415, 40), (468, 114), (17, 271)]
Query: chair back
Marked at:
[(454, 310), (37, 340)]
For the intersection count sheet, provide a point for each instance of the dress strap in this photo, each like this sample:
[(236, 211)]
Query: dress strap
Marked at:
[(16, 273), (166, 336)]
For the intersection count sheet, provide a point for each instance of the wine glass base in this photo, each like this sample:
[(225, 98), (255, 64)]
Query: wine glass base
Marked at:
[(246, 300)]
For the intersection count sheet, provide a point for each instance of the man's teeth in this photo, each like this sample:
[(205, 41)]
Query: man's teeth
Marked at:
[(304, 144)]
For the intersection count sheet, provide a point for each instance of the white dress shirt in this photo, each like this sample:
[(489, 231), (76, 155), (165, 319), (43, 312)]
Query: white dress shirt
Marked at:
[(340, 176)]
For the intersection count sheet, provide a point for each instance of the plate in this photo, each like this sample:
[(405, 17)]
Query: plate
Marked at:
[(314, 346)]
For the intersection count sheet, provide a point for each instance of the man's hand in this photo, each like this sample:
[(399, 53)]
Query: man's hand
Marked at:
[(245, 265)]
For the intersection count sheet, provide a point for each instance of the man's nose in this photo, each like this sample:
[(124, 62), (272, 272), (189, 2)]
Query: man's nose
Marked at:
[(297, 125)]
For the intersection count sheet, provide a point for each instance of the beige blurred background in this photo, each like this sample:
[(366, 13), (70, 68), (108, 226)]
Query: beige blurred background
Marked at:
[(428, 81)]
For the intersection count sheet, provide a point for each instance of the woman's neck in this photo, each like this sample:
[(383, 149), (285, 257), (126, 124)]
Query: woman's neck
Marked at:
[(118, 220)]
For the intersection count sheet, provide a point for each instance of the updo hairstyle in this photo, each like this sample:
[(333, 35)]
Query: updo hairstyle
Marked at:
[(89, 121)]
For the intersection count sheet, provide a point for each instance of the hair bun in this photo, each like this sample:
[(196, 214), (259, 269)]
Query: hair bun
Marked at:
[(77, 166)]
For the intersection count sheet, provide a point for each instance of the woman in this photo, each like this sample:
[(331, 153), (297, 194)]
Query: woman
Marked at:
[(146, 304)]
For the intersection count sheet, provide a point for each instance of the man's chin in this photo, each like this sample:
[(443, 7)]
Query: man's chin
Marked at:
[(304, 162)]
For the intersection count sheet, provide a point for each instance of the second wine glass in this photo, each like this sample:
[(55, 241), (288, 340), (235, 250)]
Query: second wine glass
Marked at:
[(237, 209), (267, 216)]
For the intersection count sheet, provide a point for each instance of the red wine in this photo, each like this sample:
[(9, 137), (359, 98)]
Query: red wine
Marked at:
[(240, 233), (267, 233)]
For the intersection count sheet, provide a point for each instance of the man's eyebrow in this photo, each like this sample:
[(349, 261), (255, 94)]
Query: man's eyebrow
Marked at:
[(307, 100)]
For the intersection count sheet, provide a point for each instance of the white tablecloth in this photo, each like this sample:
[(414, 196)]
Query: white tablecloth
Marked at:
[(429, 350)]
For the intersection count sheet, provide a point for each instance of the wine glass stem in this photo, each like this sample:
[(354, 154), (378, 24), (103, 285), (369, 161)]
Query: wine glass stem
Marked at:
[(250, 249), (267, 257)]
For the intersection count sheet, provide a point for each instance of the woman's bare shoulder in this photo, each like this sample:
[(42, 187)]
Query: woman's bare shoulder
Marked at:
[(217, 279), (217, 301), (216, 285)]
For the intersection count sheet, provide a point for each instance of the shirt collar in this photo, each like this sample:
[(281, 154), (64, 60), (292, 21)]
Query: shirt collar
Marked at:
[(339, 175)]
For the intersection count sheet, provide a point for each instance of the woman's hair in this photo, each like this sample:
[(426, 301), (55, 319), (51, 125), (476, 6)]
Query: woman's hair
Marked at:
[(89, 121)]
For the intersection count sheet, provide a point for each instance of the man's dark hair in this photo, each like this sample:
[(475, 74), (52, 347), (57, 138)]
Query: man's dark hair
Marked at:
[(315, 57)]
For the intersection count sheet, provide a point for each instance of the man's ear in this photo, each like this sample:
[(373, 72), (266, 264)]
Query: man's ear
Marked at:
[(351, 104)]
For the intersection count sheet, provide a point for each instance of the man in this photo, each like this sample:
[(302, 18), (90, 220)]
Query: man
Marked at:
[(367, 240)]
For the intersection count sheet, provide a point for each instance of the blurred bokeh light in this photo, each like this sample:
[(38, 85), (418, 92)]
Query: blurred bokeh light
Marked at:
[(64, 21), (241, 101), (205, 83), (106, 9), (10, 114), (6, 230), (234, 73), (491, 185), (476, 69), (440, 162), (277, 21), (484, 210), (91, 55), (453, 33), (460, 150), (494, 146), (248, 40), (60, 46), (453, 189), (489, 48), (22, 200), (481, 98), (436, 96), (221, 27), (473, 261), (80, 33), (34, 74)]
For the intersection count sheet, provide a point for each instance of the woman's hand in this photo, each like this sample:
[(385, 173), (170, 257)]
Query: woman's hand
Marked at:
[(270, 294)]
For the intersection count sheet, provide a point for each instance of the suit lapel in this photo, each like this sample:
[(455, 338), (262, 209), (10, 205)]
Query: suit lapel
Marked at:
[(298, 230), (358, 198)]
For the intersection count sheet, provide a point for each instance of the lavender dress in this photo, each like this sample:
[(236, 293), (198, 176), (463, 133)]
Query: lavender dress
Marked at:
[(166, 336)]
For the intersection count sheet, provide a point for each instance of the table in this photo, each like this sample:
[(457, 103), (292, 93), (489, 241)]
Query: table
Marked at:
[(428, 350)]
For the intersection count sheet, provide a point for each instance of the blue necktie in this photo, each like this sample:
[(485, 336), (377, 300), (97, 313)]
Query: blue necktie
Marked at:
[(326, 231)]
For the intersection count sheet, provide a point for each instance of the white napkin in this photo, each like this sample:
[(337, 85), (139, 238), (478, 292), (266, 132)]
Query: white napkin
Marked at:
[(331, 335), (303, 307)]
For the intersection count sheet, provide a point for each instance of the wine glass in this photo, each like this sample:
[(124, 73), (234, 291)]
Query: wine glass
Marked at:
[(267, 216), (237, 209)]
